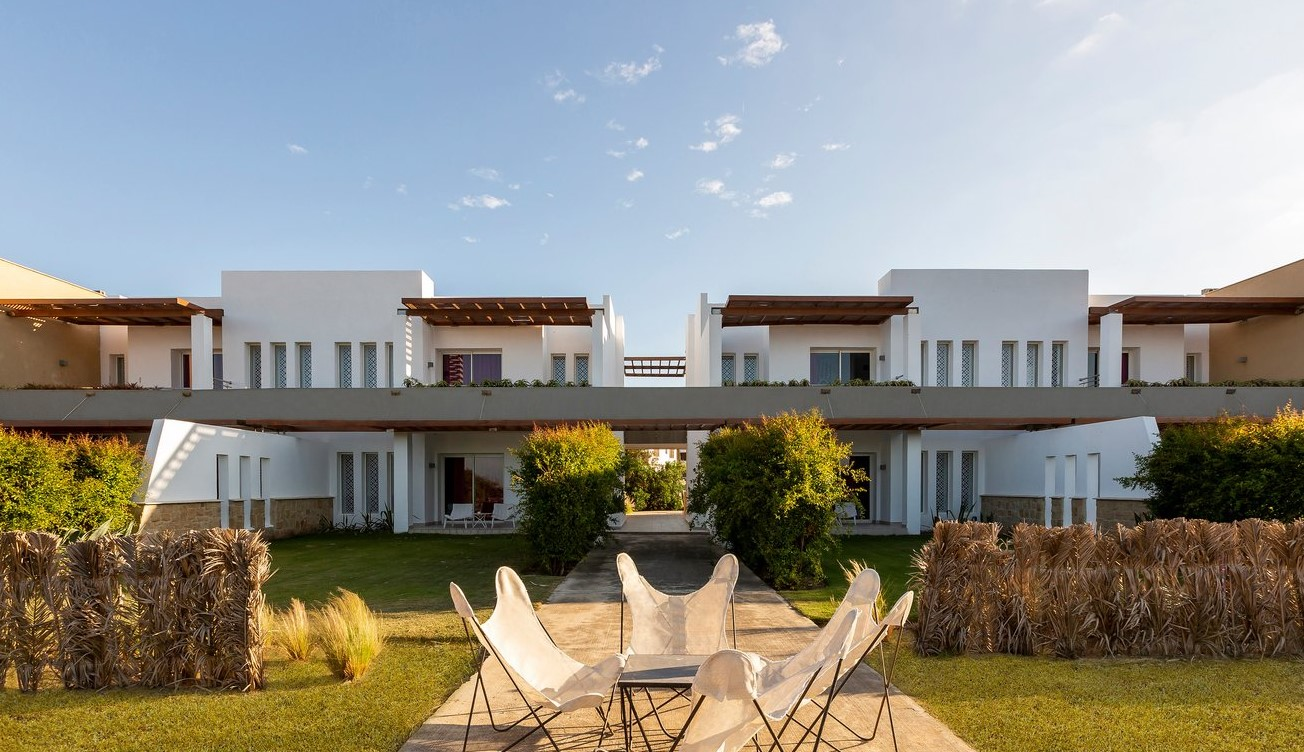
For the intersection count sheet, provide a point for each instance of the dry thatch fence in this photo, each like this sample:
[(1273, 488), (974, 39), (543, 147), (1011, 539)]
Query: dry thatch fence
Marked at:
[(1164, 588), (155, 610)]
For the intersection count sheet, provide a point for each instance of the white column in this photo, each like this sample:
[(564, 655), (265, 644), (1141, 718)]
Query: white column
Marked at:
[(1049, 491), (896, 478), (914, 489), (1070, 487), (896, 348), (201, 352), (715, 343), (1093, 487), (597, 352), (1111, 349), (914, 368), (402, 484), (401, 367)]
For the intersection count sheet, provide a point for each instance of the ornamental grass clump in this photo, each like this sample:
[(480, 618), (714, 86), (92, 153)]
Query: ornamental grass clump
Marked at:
[(292, 631), (349, 635)]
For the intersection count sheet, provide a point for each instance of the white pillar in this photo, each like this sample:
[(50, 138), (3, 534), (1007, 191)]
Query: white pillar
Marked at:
[(1048, 494), (1093, 487), (896, 477), (402, 484), (715, 342), (914, 368), (1070, 487), (914, 488), (1111, 349), (597, 352), (401, 367), (896, 349), (201, 352)]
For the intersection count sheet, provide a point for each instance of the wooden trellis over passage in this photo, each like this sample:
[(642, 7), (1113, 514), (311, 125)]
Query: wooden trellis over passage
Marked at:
[(667, 367), (500, 311)]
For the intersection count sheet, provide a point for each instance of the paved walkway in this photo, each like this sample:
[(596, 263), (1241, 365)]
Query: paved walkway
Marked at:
[(583, 617), (655, 522)]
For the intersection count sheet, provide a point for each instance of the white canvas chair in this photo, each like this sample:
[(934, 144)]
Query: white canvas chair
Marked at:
[(514, 636), (847, 515), (736, 694), (505, 513), (463, 513), (699, 623)]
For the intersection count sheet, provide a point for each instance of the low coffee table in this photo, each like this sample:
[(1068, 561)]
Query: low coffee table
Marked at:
[(652, 672)]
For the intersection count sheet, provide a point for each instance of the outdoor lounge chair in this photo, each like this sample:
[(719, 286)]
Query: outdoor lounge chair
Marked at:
[(514, 636), (736, 694), (463, 513), (505, 513), (694, 624)]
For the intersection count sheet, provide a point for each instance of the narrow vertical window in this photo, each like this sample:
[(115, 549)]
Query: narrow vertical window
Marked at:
[(943, 363), (118, 366), (942, 484), (969, 364), (751, 368), (371, 482), (305, 365), (255, 365), (1007, 364), (727, 375), (923, 363), (968, 484), (280, 364), (370, 366), (1033, 364), (348, 503), (389, 364), (1057, 364), (559, 369), (581, 368), (1193, 367), (344, 364)]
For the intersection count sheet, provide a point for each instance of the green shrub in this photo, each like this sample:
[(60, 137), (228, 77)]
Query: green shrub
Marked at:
[(67, 485), (771, 490), (1233, 468), (652, 487), (568, 481)]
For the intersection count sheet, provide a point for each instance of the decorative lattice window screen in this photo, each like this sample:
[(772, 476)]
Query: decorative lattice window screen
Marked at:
[(943, 363), (559, 369), (347, 501), (942, 483), (1007, 364), (1033, 364), (305, 365), (727, 375), (1057, 364), (281, 363), (581, 369), (968, 364), (968, 464), (255, 366), (371, 482), (344, 360), (751, 368), (370, 366)]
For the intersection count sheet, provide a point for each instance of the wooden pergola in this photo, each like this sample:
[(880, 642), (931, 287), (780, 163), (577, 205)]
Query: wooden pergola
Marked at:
[(663, 366), (1193, 309), (548, 311), (110, 311), (789, 310)]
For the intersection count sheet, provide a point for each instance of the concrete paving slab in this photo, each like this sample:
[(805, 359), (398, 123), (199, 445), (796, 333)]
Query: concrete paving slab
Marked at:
[(583, 617)]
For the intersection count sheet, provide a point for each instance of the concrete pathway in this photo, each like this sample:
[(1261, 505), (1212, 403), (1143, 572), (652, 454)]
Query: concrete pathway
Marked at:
[(583, 617), (655, 522)]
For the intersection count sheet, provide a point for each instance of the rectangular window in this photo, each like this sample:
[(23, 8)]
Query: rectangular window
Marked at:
[(348, 503), (923, 363), (751, 368), (728, 377), (943, 363), (371, 482), (969, 364), (280, 366), (1007, 364), (370, 366), (968, 483), (255, 365), (1057, 364), (1193, 367), (344, 365), (828, 366), (942, 485), (305, 365), (559, 369), (581, 368), (118, 369), (473, 479), (1032, 364), (1093, 367), (218, 381), (472, 367), (264, 488)]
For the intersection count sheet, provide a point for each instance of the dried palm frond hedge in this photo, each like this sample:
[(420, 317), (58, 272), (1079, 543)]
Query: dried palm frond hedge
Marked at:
[(156, 610), (1165, 588)]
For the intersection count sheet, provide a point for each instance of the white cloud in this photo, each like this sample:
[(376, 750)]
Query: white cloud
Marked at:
[(640, 143), (483, 201), (1106, 28), (811, 104), (710, 187), (612, 125), (705, 146), (760, 44), (630, 73), (568, 95), (677, 234), (625, 203), (366, 184), (725, 129), (470, 239), (758, 214), (634, 175), (554, 82), (401, 189), (783, 161), (839, 146), (778, 198), (296, 150), (513, 186), (615, 153), (485, 173), (543, 239)]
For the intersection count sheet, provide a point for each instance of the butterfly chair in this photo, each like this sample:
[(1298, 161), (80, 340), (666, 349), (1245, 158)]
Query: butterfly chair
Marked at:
[(736, 694), (699, 623), (514, 636)]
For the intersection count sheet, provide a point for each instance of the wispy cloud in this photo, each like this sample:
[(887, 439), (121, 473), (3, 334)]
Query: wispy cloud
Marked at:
[(568, 95), (634, 175), (761, 42), (625, 203), (615, 153), (366, 184), (677, 233), (811, 104), (483, 201), (710, 187), (296, 150), (632, 72), (783, 161), (401, 189), (640, 143), (1106, 28), (778, 198), (513, 186), (555, 83), (485, 173), (470, 239), (543, 239), (724, 129), (838, 146), (612, 125)]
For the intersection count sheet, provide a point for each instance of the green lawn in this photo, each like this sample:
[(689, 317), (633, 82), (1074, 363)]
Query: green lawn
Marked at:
[(303, 706), (999, 703)]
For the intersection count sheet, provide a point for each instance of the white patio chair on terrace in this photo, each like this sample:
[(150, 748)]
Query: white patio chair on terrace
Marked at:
[(514, 636), (505, 513), (699, 623), (736, 694), (463, 513)]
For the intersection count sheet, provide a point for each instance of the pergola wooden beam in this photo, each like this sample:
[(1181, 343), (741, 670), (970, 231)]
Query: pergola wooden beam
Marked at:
[(109, 311), (501, 311), (788, 310), (1188, 309)]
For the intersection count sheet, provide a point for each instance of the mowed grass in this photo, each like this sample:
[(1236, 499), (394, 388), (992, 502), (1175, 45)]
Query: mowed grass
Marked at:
[(303, 706), (1000, 703)]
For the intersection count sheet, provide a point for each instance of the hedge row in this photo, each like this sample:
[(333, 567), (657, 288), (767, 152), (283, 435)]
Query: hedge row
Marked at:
[(76, 483)]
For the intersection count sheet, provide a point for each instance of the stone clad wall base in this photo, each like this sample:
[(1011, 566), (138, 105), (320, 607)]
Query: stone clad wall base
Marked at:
[(289, 517), (1011, 510)]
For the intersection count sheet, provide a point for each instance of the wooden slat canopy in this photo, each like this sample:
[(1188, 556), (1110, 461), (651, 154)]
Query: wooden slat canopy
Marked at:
[(786, 310), (1192, 309), (110, 311), (667, 366), (501, 311)]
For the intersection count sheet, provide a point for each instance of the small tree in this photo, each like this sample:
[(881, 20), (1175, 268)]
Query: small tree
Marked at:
[(649, 486), (1229, 469), (772, 489), (568, 481)]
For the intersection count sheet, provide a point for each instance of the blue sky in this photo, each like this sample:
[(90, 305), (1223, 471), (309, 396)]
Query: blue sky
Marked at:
[(652, 151)]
